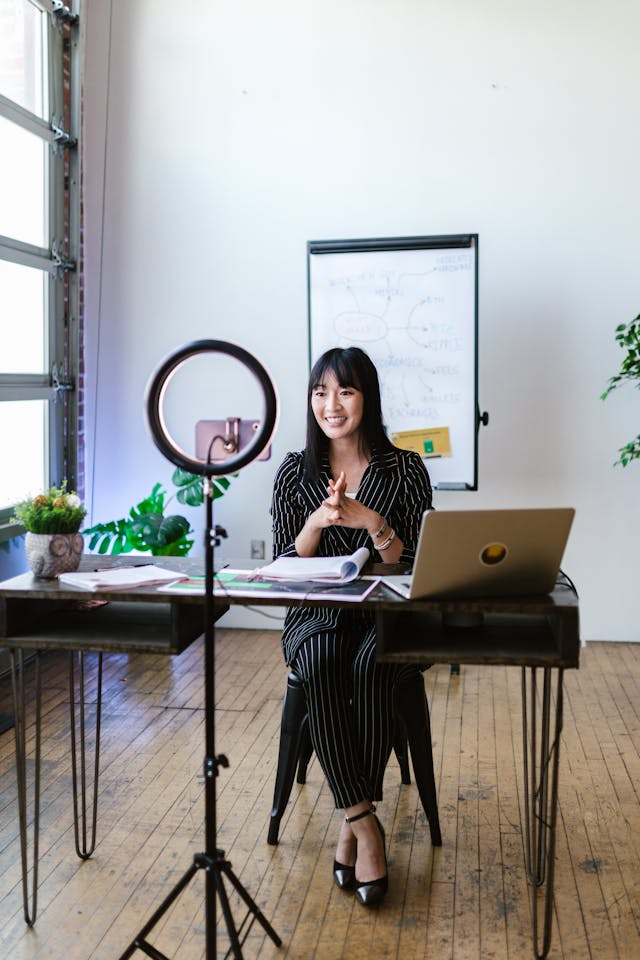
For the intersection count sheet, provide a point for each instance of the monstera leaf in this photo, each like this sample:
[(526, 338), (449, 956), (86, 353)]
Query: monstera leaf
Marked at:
[(147, 529), (191, 488), (163, 536)]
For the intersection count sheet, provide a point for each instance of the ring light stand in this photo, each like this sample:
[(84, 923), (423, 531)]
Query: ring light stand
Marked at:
[(212, 861)]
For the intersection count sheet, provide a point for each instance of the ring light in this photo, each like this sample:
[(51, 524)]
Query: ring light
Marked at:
[(154, 406)]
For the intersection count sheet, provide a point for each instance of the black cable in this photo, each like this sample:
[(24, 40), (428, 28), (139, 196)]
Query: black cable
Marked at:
[(564, 580)]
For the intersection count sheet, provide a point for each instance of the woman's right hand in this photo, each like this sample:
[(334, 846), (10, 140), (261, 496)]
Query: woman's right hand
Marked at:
[(330, 511), (328, 514), (333, 506)]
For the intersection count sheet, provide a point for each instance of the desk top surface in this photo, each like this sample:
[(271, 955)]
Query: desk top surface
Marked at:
[(45, 614), (27, 586)]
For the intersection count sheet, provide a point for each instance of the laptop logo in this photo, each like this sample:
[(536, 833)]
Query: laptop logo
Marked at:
[(493, 554)]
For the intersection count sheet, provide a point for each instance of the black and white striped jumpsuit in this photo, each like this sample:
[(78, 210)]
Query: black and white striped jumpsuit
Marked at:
[(349, 695)]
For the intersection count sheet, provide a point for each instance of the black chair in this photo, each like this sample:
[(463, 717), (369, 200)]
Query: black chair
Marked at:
[(412, 727)]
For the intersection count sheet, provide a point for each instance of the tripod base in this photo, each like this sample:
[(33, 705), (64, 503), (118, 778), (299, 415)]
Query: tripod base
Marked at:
[(217, 868)]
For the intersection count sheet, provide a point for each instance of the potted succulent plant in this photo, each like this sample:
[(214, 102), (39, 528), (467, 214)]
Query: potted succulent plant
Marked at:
[(628, 337), (52, 520)]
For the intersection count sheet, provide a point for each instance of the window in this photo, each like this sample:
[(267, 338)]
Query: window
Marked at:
[(39, 237)]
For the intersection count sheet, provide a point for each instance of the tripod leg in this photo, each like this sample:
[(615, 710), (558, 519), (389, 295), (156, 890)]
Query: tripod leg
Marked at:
[(214, 868), (236, 949), (225, 867), (140, 942)]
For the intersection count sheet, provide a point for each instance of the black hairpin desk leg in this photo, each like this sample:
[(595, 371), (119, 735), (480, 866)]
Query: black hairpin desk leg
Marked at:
[(84, 848), (30, 903), (541, 754)]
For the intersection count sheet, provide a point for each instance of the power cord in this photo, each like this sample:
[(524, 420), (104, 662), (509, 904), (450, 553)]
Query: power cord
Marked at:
[(564, 580)]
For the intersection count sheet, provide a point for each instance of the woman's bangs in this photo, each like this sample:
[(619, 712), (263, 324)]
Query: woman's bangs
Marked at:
[(342, 370)]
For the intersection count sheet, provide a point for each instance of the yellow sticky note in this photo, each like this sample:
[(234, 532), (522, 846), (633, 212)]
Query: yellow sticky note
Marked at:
[(431, 442)]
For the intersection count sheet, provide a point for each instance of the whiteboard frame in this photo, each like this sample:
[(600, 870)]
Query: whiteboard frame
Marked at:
[(395, 246)]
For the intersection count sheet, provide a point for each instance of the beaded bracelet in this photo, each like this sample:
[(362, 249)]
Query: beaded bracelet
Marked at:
[(388, 542), (374, 536)]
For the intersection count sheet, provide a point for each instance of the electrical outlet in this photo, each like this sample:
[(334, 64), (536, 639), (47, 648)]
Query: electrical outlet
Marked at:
[(257, 549)]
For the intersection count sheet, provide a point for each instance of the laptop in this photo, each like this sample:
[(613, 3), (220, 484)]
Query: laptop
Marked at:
[(486, 553)]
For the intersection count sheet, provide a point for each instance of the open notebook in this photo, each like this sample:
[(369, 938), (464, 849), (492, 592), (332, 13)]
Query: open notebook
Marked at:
[(486, 553)]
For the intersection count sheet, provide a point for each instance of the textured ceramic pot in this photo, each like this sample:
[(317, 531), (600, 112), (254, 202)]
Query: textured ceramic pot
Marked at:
[(50, 554)]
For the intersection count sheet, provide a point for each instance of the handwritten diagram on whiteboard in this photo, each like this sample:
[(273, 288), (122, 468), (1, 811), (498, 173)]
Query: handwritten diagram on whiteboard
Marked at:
[(412, 305)]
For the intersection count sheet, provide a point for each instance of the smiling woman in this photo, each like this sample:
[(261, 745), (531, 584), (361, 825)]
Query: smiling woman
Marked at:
[(349, 488)]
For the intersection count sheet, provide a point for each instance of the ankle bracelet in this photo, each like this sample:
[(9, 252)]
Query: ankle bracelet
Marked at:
[(359, 816)]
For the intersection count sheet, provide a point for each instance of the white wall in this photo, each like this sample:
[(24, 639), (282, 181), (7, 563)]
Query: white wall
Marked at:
[(219, 139)]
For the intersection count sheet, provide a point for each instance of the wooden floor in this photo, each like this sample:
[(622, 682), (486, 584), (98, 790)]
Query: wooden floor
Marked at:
[(467, 900)]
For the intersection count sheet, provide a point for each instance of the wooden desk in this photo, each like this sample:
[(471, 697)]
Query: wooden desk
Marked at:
[(540, 635), (41, 615)]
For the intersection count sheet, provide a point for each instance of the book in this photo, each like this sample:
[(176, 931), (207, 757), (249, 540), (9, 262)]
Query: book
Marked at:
[(334, 569), (118, 578), (244, 583)]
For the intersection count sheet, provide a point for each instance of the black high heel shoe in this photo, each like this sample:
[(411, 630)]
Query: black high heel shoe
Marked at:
[(344, 875), (371, 892)]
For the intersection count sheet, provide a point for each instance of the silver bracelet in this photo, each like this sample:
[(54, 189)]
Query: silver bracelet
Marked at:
[(388, 541), (374, 536)]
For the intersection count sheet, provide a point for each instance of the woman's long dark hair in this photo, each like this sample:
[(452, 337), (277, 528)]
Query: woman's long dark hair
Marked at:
[(351, 367)]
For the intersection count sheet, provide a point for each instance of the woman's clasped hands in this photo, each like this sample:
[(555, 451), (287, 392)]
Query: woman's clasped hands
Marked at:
[(339, 509)]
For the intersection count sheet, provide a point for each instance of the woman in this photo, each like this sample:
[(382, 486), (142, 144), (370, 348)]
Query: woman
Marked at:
[(349, 488)]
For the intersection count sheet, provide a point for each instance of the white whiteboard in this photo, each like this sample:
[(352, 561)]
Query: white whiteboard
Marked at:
[(411, 303)]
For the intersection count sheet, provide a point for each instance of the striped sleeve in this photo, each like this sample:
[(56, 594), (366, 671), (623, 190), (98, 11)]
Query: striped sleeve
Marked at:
[(417, 497), (287, 512)]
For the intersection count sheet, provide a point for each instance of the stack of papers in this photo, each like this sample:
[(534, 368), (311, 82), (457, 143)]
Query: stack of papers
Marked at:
[(118, 578), (316, 569)]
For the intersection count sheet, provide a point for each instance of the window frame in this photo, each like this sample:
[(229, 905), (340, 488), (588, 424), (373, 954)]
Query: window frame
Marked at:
[(58, 384)]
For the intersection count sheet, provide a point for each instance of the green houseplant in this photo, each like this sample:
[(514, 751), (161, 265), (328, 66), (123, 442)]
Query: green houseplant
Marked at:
[(628, 337), (147, 528), (52, 520)]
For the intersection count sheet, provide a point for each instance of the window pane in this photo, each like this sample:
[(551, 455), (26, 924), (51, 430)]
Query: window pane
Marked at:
[(22, 185), (23, 346), (23, 432), (22, 67)]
